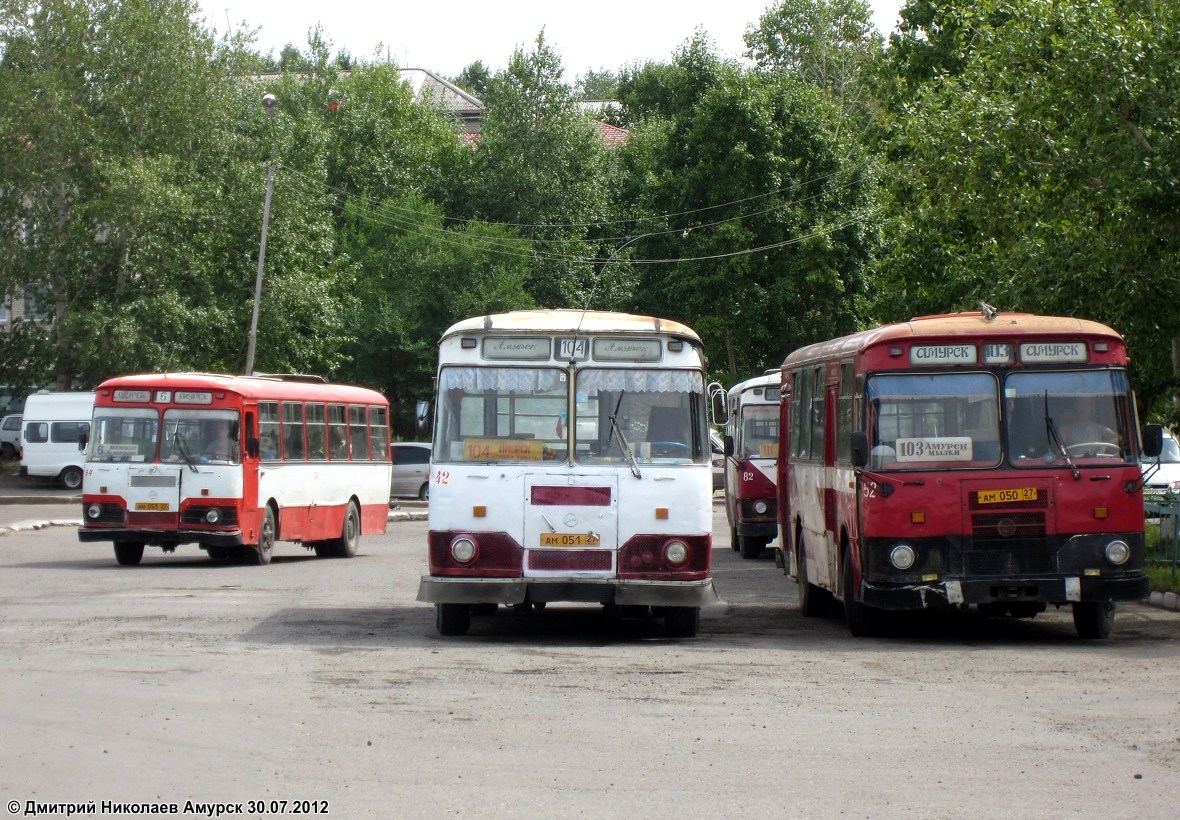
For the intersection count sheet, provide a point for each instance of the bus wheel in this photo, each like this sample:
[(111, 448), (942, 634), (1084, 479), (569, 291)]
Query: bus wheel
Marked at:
[(863, 621), (218, 553), (813, 601), (682, 621), (324, 549), (1093, 619), (261, 553), (733, 539), (346, 544), (751, 546), (128, 553), (71, 478), (452, 619)]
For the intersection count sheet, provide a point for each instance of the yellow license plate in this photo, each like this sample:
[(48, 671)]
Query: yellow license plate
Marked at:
[(569, 539), (1006, 496), (151, 506)]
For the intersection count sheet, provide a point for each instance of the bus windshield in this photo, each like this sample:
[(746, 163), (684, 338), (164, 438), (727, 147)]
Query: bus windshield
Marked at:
[(759, 438), (200, 435), (924, 420), (1077, 416), (650, 416), (501, 414), (124, 434)]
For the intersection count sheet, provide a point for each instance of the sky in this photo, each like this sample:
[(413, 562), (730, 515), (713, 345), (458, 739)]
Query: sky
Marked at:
[(444, 36)]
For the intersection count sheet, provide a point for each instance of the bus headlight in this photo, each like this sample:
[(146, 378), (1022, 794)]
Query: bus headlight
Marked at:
[(213, 515), (94, 511), (902, 556), (1118, 552), (676, 552), (760, 507), (462, 550)]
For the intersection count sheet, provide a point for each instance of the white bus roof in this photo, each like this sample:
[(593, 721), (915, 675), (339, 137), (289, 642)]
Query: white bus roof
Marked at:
[(567, 321)]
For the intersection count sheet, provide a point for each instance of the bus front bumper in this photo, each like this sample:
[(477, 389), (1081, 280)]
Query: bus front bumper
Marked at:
[(508, 591), (1054, 590), (162, 538)]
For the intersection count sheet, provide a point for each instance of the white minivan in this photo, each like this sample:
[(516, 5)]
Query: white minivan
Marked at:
[(52, 425)]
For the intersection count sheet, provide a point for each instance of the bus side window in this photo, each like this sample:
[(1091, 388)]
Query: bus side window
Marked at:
[(268, 429), (357, 433), (292, 430)]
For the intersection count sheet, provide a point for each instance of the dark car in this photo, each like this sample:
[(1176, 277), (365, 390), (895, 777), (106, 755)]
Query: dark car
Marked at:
[(411, 469)]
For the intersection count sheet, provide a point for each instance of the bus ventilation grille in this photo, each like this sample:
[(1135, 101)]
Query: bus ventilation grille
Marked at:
[(1008, 544), (569, 560), (165, 480)]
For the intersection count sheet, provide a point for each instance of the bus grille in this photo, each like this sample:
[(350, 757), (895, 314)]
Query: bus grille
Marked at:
[(163, 480), (569, 560), (1011, 543)]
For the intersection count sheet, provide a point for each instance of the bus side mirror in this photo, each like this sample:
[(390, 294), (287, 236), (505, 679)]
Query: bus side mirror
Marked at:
[(717, 408), (729, 445), (252, 447), (83, 440), (421, 415), (1153, 440), (860, 448)]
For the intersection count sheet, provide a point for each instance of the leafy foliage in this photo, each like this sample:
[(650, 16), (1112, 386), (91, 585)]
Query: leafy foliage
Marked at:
[(1041, 174)]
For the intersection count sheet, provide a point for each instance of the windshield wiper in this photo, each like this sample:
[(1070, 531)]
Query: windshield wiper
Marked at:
[(182, 447), (1055, 438), (623, 443)]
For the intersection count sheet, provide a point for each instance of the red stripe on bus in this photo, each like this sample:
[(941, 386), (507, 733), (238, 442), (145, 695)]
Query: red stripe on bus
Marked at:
[(571, 496)]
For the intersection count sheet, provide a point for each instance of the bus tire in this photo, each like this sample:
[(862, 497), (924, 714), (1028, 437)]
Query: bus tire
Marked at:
[(128, 553), (682, 621), (733, 539), (219, 553), (1093, 619), (863, 621), (345, 546), (452, 619), (261, 552), (71, 478), (813, 601), (751, 546), (324, 549)]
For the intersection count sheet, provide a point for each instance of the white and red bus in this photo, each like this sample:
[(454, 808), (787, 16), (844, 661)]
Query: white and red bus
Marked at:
[(234, 464), (571, 463), (939, 462), (751, 458)]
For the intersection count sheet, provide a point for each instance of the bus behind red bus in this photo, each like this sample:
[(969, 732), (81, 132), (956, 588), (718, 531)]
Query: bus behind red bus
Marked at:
[(234, 464), (987, 459), (751, 454)]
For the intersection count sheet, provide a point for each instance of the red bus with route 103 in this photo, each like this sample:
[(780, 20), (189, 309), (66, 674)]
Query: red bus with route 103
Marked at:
[(987, 459), (751, 455), (234, 464)]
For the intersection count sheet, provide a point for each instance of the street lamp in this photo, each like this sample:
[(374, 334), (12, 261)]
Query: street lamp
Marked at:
[(269, 101)]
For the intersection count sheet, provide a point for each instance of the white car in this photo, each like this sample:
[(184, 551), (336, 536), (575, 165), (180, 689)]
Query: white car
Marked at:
[(10, 435), (1166, 477)]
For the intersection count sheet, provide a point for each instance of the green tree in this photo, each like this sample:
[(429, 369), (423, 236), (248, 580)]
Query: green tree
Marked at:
[(474, 78), (541, 168), (421, 274), (829, 43), (1041, 175), (760, 217)]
